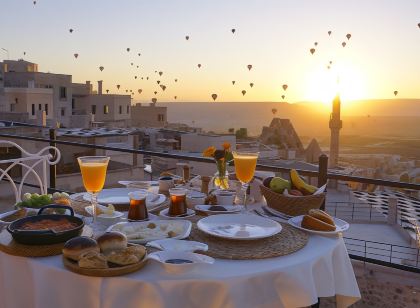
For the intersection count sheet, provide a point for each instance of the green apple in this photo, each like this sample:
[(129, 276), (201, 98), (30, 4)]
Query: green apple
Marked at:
[(278, 185)]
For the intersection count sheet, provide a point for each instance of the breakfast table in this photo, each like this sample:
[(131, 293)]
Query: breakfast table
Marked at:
[(321, 269)]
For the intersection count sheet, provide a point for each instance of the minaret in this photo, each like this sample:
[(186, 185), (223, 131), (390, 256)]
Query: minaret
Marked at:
[(335, 125)]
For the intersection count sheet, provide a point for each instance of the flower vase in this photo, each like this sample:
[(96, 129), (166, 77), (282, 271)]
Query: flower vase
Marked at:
[(221, 178)]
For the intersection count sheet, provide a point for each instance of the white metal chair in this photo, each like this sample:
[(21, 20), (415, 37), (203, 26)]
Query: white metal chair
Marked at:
[(28, 163)]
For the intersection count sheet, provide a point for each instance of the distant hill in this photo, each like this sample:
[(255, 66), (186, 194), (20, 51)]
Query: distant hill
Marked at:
[(395, 117)]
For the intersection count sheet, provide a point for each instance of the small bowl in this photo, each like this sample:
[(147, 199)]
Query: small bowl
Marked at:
[(105, 219), (225, 197), (194, 260), (194, 198)]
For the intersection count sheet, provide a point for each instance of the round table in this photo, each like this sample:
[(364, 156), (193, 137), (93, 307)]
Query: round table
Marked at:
[(322, 268)]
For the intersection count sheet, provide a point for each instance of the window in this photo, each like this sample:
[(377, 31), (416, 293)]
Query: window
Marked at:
[(39, 107), (33, 109), (128, 109), (12, 107), (16, 100), (46, 109), (106, 109), (93, 109), (120, 109), (63, 112), (63, 92), (161, 117), (73, 103)]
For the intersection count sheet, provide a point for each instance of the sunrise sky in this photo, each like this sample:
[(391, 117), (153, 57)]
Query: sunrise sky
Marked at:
[(274, 36)]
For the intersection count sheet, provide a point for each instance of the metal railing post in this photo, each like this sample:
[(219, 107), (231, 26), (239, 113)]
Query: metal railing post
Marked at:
[(53, 168), (322, 173)]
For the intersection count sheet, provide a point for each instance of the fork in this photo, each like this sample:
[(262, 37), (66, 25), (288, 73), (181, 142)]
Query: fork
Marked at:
[(272, 212), (262, 214)]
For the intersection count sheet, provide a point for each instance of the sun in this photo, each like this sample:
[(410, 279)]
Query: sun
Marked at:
[(323, 84)]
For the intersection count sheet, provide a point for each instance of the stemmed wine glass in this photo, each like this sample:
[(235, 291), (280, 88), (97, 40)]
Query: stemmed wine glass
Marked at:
[(93, 170), (245, 164)]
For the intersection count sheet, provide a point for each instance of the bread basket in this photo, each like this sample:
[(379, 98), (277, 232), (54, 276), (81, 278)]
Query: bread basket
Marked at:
[(294, 206)]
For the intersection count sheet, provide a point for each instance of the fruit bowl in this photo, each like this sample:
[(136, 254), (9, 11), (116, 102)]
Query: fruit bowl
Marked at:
[(292, 205)]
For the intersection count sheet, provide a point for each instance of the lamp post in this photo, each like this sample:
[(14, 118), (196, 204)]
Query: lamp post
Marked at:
[(4, 49)]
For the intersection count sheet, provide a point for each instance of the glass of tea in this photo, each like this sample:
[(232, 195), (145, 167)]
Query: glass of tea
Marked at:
[(138, 209), (178, 203)]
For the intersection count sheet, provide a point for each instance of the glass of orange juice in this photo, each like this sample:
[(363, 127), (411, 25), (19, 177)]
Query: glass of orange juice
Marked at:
[(93, 170), (245, 164)]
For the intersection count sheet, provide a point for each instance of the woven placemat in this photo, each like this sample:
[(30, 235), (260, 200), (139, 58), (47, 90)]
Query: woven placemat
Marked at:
[(289, 240), (11, 247)]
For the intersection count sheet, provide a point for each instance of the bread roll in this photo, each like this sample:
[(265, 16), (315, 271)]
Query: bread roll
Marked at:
[(93, 259), (312, 223), (323, 216), (76, 247), (111, 241), (137, 250), (122, 257)]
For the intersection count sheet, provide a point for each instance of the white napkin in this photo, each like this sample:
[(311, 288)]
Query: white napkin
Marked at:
[(178, 245)]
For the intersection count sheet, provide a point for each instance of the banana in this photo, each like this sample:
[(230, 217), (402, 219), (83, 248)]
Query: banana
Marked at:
[(300, 184)]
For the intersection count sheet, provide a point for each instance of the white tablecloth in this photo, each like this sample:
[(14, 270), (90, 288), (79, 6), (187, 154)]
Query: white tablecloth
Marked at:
[(322, 268)]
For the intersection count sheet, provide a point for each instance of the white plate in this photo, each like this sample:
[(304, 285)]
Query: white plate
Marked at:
[(120, 196), (196, 259), (139, 233), (178, 245), (341, 225), (164, 213), (239, 226), (229, 209), (114, 215)]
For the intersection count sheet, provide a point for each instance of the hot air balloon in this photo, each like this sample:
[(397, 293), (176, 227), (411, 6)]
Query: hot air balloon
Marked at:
[(139, 54), (155, 92), (285, 86), (312, 50), (418, 24), (395, 93), (154, 100), (187, 37), (118, 86), (135, 77), (137, 66), (71, 30), (343, 44), (330, 62), (158, 81), (214, 96), (76, 55), (316, 43), (329, 32), (132, 63), (243, 92), (233, 82), (155, 72), (24, 53), (251, 84), (199, 65), (283, 96), (101, 68), (34, 2), (128, 49), (107, 90), (160, 73), (328, 67), (126, 91), (163, 87), (274, 111), (147, 78), (348, 35), (139, 90), (141, 78), (233, 30), (176, 80), (249, 66), (175, 97)]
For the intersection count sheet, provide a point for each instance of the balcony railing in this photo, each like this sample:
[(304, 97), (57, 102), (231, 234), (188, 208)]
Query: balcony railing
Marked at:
[(367, 251)]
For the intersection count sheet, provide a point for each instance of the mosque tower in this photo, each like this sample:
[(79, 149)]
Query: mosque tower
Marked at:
[(335, 125)]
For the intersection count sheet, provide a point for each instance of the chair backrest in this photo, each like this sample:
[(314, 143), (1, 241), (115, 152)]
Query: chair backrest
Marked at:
[(28, 162)]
